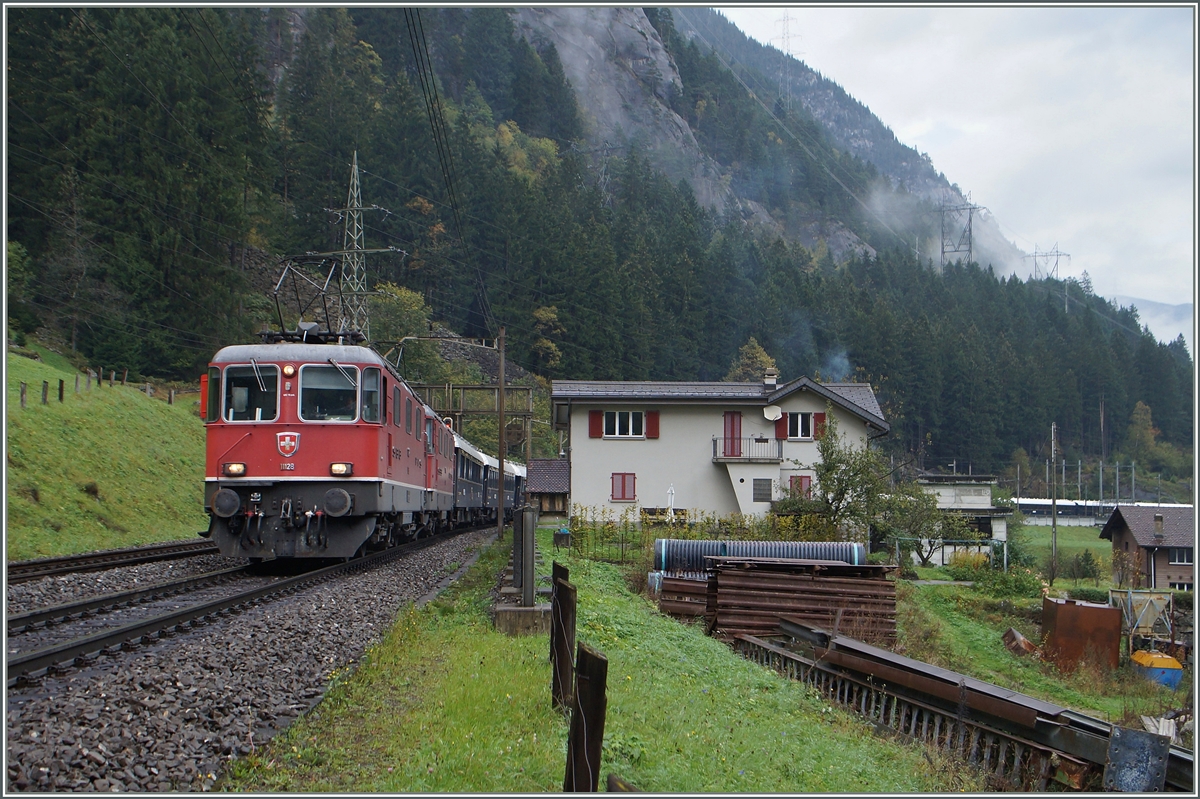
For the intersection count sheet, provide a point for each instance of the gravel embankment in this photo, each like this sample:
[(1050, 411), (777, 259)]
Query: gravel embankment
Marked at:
[(61, 589), (170, 716)]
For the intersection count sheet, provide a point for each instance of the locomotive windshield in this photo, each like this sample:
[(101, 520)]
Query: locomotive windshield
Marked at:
[(251, 393), (326, 394)]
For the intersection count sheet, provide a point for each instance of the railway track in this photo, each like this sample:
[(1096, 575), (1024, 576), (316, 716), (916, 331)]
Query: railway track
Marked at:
[(1022, 741), (25, 666), (26, 570)]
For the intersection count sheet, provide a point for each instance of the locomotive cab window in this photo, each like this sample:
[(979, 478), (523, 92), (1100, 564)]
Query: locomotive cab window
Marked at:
[(251, 393), (370, 395), (326, 395)]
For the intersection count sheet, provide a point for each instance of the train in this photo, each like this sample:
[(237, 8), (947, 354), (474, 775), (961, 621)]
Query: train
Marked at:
[(316, 447)]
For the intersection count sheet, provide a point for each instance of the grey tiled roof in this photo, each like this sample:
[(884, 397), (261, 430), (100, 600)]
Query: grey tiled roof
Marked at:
[(856, 397), (1179, 528), (859, 394), (548, 476), (651, 389)]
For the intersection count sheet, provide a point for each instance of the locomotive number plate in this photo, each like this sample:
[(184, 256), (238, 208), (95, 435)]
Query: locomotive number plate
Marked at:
[(287, 467)]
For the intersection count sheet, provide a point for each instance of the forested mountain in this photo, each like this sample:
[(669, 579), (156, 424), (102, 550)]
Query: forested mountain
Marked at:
[(156, 154)]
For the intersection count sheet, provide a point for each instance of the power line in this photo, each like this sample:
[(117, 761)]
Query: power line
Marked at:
[(791, 133)]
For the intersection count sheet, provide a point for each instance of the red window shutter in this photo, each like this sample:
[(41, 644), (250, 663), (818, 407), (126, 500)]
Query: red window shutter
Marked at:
[(595, 424), (733, 434), (805, 485), (651, 424), (781, 425), (818, 425), (631, 486), (618, 485)]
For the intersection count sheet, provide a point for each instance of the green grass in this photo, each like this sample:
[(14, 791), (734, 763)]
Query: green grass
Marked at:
[(446, 704), (105, 468), (959, 628)]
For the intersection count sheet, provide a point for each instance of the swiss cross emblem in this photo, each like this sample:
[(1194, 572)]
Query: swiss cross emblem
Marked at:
[(288, 443)]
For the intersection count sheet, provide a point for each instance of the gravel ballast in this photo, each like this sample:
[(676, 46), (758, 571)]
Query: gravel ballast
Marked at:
[(170, 716)]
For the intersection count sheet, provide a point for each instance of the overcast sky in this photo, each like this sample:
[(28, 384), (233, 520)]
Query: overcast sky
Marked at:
[(1073, 126)]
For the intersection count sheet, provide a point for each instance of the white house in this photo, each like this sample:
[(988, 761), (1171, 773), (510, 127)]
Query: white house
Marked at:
[(971, 497), (716, 447)]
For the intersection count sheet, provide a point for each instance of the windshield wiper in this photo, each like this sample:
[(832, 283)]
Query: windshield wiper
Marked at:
[(349, 377), (258, 375)]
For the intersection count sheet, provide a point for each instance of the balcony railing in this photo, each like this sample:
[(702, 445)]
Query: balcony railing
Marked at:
[(747, 450)]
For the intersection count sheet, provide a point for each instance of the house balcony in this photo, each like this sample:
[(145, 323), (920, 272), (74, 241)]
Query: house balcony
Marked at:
[(747, 450)]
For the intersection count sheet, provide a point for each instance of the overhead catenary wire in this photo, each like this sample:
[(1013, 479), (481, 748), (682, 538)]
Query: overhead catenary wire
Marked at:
[(792, 134)]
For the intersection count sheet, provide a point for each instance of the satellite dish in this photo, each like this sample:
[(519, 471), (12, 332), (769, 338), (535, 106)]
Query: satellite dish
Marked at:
[(772, 412)]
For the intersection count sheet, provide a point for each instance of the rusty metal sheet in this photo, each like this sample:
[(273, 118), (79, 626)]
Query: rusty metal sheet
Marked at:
[(1136, 761), (1078, 630), (821, 637), (1018, 644), (972, 699)]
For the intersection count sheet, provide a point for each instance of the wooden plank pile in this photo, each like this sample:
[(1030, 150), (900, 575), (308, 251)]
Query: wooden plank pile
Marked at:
[(748, 595)]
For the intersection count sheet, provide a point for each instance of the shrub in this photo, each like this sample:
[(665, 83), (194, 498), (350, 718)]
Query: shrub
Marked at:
[(880, 558), (1020, 581), (1089, 595), (1185, 600)]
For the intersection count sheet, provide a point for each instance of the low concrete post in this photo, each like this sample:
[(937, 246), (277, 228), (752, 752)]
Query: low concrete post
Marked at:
[(45, 391), (518, 550), (22, 394), (528, 530)]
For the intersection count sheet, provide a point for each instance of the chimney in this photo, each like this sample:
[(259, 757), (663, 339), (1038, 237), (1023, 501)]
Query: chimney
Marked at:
[(770, 378), (1158, 528)]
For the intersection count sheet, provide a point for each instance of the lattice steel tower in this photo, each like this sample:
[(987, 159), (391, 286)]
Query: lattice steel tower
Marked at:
[(353, 301)]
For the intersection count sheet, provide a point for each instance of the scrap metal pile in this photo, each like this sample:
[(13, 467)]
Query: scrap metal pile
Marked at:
[(749, 595)]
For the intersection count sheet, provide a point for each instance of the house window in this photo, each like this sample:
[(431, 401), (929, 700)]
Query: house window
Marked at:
[(801, 485), (799, 425), (1180, 556), (624, 487), (1181, 586), (762, 490), (623, 424)]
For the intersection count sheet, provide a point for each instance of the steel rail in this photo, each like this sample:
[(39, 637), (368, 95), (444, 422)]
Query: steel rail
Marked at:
[(26, 570), (24, 621), (30, 665), (1060, 744)]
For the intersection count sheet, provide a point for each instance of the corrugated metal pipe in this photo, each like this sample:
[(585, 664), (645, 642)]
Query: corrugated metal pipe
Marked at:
[(672, 554)]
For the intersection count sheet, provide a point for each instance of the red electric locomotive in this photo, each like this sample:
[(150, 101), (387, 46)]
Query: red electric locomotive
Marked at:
[(319, 449)]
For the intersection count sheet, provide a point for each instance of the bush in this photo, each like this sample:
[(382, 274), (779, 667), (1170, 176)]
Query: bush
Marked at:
[(1089, 595), (1020, 581), (880, 558), (1185, 600)]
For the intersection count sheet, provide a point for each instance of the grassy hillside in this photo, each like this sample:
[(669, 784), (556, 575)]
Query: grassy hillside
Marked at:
[(106, 468), (444, 703)]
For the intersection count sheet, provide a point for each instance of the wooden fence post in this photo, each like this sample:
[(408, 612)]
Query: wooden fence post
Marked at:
[(586, 738), (148, 390), (124, 376), (89, 380), (61, 385), (171, 397), (45, 391), (557, 572), (77, 383), (562, 633), (22, 394), (112, 377)]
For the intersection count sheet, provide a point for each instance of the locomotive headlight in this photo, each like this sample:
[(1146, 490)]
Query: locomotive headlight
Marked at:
[(233, 469), (289, 370), (341, 469)]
